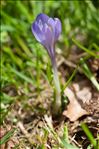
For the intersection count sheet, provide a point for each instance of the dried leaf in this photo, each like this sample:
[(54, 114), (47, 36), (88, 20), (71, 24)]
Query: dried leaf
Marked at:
[(84, 95), (74, 110)]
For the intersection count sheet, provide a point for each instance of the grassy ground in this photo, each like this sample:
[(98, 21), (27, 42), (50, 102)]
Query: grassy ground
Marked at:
[(26, 75)]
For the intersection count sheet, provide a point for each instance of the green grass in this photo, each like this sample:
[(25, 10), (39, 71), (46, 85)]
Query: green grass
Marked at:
[(16, 27), (89, 135), (6, 137)]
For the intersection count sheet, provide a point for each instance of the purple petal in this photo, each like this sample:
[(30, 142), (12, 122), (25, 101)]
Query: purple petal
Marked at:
[(51, 24), (55, 24), (44, 36), (47, 30), (37, 32), (49, 41), (43, 17), (39, 27), (58, 28)]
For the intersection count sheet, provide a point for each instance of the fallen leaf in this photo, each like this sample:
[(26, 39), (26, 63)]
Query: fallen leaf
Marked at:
[(84, 95), (74, 110)]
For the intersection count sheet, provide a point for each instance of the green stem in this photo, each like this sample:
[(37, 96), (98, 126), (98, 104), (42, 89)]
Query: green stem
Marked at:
[(57, 101)]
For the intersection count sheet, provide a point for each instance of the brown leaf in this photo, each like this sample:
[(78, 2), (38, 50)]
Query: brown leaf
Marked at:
[(84, 95), (74, 110)]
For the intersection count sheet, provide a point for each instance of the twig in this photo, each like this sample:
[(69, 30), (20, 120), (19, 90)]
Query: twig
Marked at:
[(23, 130)]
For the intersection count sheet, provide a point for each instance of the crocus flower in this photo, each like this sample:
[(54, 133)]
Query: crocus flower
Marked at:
[(47, 30)]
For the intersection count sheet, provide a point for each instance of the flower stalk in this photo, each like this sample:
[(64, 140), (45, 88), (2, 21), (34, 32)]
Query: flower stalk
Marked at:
[(57, 100)]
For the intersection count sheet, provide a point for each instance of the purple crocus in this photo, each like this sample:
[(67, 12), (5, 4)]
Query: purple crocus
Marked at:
[(47, 30)]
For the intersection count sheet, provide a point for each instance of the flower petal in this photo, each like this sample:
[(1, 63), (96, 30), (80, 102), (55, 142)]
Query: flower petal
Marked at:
[(47, 30), (39, 35), (49, 41), (43, 17), (51, 24), (55, 24), (58, 28), (44, 36)]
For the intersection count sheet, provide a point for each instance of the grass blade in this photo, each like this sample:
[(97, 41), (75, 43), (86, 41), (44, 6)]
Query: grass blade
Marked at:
[(89, 74), (6, 137), (89, 135), (22, 76), (85, 49), (70, 79), (68, 146)]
